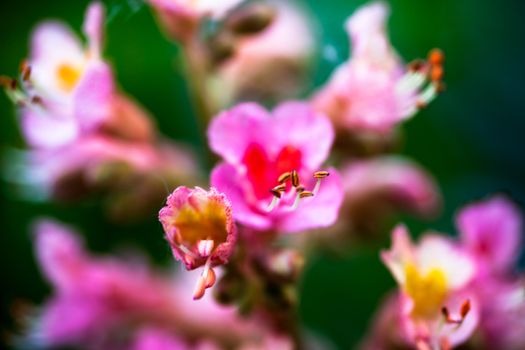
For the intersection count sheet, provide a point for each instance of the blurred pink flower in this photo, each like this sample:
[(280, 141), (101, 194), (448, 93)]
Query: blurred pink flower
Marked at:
[(391, 179), (200, 230), (76, 88), (434, 276), (105, 303), (180, 18), (503, 315), (270, 63), (373, 91), (271, 166), (491, 230)]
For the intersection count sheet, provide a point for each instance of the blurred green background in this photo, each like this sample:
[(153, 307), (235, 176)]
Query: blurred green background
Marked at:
[(471, 139)]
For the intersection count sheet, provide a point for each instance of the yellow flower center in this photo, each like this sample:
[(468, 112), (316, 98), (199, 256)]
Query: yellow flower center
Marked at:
[(68, 76), (428, 292), (207, 223)]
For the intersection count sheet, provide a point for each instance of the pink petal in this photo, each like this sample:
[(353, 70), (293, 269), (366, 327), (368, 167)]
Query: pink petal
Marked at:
[(42, 130), (297, 124), (93, 96), (492, 229), (232, 131), (94, 27)]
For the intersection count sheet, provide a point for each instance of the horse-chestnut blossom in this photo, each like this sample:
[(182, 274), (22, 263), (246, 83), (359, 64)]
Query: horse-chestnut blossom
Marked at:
[(491, 231), (200, 230), (373, 91), (271, 166), (438, 309)]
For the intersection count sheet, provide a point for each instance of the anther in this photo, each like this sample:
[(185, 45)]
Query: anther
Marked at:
[(284, 177), (300, 188), (200, 288), (305, 194), (295, 178), (465, 308), (416, 65), (26, 73), (37, 100), (421, 105), (436, 73), (280, 188), (436, 57), (321, 174), (211, 277), (276, 194)]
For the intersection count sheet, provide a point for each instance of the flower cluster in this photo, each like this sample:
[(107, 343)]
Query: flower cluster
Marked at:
[(454, 291), (293, 176)]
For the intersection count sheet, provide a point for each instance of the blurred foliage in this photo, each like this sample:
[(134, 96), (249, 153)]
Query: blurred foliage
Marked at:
[(471, 138)]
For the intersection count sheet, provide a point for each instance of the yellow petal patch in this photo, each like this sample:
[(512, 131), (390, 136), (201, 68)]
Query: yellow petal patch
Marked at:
[(428, 292), (207, 223), (68, 76)]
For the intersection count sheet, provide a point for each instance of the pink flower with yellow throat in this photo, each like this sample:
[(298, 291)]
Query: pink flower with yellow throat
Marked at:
[(200, 230), (373, 91), (68, 91), (437, 308), (271, 168)]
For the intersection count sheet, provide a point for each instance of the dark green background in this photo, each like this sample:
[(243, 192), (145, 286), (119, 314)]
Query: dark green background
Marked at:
[(472, 138)]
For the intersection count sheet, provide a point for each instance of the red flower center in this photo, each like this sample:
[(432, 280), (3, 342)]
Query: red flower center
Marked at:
[(263, 170)]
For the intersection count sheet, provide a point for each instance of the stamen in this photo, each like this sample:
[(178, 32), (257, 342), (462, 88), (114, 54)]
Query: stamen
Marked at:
[(295, 178), (205, 247), (284, 177), (188, 252), (319, 175), (274, 202), (296, 202), (299, 188)]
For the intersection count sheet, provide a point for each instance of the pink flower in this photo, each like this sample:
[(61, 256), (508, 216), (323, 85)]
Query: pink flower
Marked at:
[(502, 324), (373, 91), (106, 303), (200, 230), (75, 88), (271, 166), (180, 18), (92, 296), (491, 231), (437, 306), (157, 339), (270, 63)]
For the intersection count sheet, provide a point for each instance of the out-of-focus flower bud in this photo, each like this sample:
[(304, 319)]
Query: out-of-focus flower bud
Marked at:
[(250, 18), (286, 264)]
